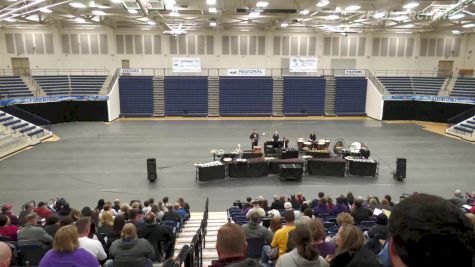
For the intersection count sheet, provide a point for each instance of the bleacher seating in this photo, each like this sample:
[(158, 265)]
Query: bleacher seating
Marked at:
[(136, 95), (13, 86), (304, 96), (412, 85), (246, 96), (186, 96), (464, 87), (54, 85), (427, 85), (350, 96), (397, 85), (74, 84)]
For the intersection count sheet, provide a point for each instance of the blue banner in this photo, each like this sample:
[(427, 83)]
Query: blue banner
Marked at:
[(429, 98), (47, 99)]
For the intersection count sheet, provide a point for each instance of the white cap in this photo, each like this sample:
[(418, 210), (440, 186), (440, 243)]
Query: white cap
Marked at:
[(457, 192)]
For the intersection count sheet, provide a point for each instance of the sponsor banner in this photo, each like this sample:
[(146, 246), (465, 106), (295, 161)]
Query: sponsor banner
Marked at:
[(354, 72), (181, 64), (427, 98), (46, 99), (246, 72), (131, 70), (303, 64)]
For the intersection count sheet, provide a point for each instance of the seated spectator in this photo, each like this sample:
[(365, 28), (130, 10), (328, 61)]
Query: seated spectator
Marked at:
[(380, 229), (372, 205), (107, 208), (300, 198), (119, 222), (318, 234), (277, 204), (66, 251), (184, 204), (116, 205), (388, 198), (315, 202), (231, 247), (254, 230), (136, 218), (7, 211), (7, 229), (340, 206), (165, 201), (93, 246), (458, 199), (360, 213), (427, 230), (66, 220), (130, 250), (275, 224), (52, 225), (171, 214), (322, 208), (64, 210), (288, 207), (330, 203), (32, 234), (124, 210), (281, 237), (100, 204), (344, 219), (157, 209), (350, 198), (146, 207), (43, 210), (27, 209), (308, 212), (246, 206), (256, 208), (304, 254), (385, 205), (350, 249), (86, 212), (264, 204), (5, 254), (75, 214), (105, 224), (158, 235), (180, 211)]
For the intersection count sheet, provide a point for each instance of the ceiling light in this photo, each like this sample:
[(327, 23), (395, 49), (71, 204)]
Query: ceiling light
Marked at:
[(262, 4), (132, 11), (212, 23), (92, 4), (102, 7), (456, 32), (174, 13), (152, 23), (352, 8), (457, 16), (304, 12), (33, 17), (471, 25), (254, 14), (411, 5), (244, 30), (116, 1), (10, 20), (332, 17), (80, 20), (379, 15), (323, 3), (210, 2), (284, 24), (77, 5), (45, 10), (212, 10), (98, 12)]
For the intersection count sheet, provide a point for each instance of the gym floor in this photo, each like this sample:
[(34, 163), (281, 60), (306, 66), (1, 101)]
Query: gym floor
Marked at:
[(93, 160)]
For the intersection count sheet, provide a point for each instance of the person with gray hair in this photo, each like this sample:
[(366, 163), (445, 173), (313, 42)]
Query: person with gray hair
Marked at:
[(33, 234), (5, 254), (254, 230)]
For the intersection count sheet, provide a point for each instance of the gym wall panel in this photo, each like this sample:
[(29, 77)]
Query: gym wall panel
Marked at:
[(186, 96), (350, 97), (304, 96), (136, 95)]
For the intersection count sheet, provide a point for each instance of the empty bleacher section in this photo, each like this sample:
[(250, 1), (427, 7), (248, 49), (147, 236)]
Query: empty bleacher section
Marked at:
[(427, 85), (464, 87), (463, 125), (54, 85), (397, 85), (412, 85), (186, 96), (136, 95), (246, 96), (350, 96), (304, 96), (13, 86), (71, 84), (86, 85)]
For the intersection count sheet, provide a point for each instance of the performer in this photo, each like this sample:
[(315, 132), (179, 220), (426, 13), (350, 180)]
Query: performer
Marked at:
[(313, 136), (286, 142), (364, 151), (254, 138), (275, 137)]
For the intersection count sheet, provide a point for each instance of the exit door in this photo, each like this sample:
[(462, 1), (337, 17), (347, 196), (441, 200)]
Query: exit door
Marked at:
[(21, 66), (445, 68), (125, 64)]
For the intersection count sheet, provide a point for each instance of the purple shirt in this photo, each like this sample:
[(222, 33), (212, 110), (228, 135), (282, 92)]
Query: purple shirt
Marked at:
[(78, 258), (326, 248)]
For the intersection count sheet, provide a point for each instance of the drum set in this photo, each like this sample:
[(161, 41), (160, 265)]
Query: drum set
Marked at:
[(307, 144)]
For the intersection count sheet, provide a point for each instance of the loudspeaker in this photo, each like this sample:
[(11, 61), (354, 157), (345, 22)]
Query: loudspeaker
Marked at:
[(152, 170), (400, 169)]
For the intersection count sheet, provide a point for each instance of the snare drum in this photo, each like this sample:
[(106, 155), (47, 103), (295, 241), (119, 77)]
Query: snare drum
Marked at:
[(321, 144), (227, 160), (307, 145), (300, 142)]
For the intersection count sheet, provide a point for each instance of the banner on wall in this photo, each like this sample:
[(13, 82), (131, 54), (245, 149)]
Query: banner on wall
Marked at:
[(246, 72), (303, 64), (47, 99), (185, 64), (131, 71), (428, 98), (354, 72)]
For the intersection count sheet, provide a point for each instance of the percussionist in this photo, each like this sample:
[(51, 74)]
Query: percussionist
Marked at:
[(364, 151), (286, 142), (254, 138), (275, 137), (313, 136)]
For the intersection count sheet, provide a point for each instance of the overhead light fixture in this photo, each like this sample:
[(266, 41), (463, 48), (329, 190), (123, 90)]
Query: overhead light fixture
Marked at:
[(212, 23), (379, 15), (352, 8), (211, 2), (304, 12), (116, 1), (262, 4), (410, 5), (332, 17), (77, 5), (45, 10), (98, 12), (456, 32), (102, 7), (80, 20), (132, 11), (212, 10), (174, 13), (254, 14), (284, 24), (323, 3), (457, 16), (470, 25), (151, 23)]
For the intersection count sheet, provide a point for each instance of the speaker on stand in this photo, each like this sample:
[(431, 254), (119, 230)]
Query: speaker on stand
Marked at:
[(152, 170), (400, 173)]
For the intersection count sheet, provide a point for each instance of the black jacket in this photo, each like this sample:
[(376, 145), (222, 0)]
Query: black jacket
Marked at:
[(361, 214), (160, 237)]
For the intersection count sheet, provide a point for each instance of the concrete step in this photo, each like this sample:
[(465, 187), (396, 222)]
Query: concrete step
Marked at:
[(195, 228), (187, 239)]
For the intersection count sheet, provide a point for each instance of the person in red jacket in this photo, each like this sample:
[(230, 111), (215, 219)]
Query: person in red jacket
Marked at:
[(6, 229), (43, 210)]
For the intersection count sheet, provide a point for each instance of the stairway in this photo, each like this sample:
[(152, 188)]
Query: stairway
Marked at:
[(213, 96), (464, 129), (158, 97), (330, 92), (106, 85), (33, 86), (278, 97), (215, 221)]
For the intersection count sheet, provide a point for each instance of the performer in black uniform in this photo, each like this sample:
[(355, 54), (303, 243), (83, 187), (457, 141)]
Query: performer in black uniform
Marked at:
[(364, 151), (313, 136), (275, 137), (286, 142), (254, 138)]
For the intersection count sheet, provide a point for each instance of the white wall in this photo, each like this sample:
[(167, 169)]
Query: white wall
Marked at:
[(374, 102), (111, 61), (113, 104)]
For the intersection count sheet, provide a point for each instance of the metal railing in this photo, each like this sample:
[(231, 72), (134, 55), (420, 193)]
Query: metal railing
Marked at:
[(460, 117), (112, 80), (413, 73), (69, 72), (28, 116)]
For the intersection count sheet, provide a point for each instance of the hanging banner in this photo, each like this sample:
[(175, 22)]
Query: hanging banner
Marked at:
[(246, 72), (131, 70), (354, 72), (47, 99), (303, 64), (185, 64)]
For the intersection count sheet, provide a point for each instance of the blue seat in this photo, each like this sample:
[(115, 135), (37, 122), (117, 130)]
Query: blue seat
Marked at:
[(31, 254), (328, 225), (254, 247), (332, 231), (368, 223)]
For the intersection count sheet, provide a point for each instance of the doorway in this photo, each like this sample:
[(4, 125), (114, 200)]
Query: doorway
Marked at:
[(21, 66), (125, 64), (445, 68)]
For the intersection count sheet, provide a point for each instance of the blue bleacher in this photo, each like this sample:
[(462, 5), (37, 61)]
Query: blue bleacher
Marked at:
[(54, 84), (186, 95), (86, 84), (304, 96), (13, 86), (245, 96), (397, 85), (427, 85), (136, 95), (350, 96), (464, 87)]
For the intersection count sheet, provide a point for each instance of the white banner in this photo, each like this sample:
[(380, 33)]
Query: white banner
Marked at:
[(246, 72), (131, 70), (303, 64), (354, 72), (185, 64)]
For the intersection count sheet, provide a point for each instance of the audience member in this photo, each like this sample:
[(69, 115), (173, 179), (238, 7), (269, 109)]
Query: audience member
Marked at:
[(340, 206), (308, 212), (246, 206), (304, 254), (66, 251), (165, 201), (32, 234), (254, 230), (231, 247), (42, 210), (277, 204), (315, 202), (5, 254), (180, 211), (385, 205), (26, 209), (86, 212), (107, 208), (100, 204), (281, 237), (344, 218), (136, 218), (288, 207), (52, 225), (318, 234), (275, 224), (427, 230), (130, 250), (116, 205), (184, 204), (157, 235), (7, 210), (458, 199), (256, 208), (91, 245), (119, 222), (372, 205), (6, 229), (146, 207), (106, 223), (388, 198), (360, 213), (171, 214), (264, 204), (75, 214), (66, 220), (124, 210), (158, 210), (351, 198), (322, 208), (380, 229)]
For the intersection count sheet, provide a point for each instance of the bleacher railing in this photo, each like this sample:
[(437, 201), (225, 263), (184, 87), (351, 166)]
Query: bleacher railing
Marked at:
[(28, 116), (413, 73), (460, 117), (69, 72)]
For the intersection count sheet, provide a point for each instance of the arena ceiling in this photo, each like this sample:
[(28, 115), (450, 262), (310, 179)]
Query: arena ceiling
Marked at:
[(181, 16)]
